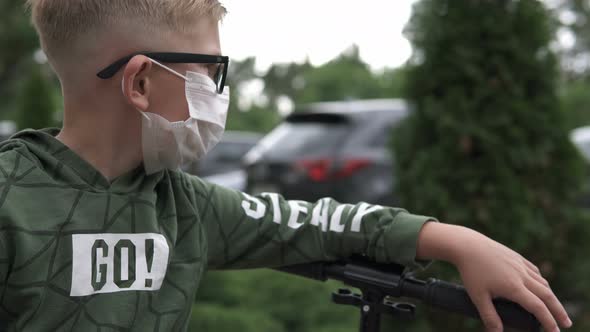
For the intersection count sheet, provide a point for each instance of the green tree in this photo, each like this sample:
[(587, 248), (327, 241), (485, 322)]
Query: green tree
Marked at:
[(346, 77), (574, 16), (285, 80), (392, 82), (36, 103), (257, 118), (575, 101), (211, 317), (281, 302), (18, 41), (486, 145)]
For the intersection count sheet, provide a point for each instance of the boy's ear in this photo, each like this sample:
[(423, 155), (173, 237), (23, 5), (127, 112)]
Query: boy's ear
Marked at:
[(136, 82)]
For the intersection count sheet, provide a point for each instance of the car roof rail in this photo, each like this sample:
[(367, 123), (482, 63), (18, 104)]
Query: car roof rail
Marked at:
[(354, 106)]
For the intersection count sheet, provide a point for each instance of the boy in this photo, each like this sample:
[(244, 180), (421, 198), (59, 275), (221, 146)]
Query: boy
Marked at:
[(99, 230)]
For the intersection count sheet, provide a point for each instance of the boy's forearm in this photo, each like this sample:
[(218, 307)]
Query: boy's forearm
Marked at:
[(445, 242)]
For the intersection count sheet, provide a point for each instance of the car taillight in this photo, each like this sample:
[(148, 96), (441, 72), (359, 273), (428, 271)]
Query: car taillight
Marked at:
[(320, 170), (317, 170)]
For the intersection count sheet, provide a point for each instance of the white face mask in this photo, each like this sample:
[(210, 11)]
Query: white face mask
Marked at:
[(170, 145)]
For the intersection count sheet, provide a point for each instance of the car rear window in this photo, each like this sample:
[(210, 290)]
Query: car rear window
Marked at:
[(228, 152), (584, 148), (324, 118), (581, 138), (305, 135)]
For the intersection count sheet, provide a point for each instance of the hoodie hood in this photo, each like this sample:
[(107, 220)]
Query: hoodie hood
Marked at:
[(64, 166)]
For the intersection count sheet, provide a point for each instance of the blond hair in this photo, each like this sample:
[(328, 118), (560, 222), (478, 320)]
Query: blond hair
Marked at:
[(60, 23)]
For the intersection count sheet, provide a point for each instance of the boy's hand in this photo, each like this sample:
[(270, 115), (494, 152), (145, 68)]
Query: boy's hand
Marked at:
[(490, 270)]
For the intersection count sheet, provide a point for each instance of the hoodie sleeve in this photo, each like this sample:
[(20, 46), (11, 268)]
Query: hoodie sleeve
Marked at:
[(246, 231)]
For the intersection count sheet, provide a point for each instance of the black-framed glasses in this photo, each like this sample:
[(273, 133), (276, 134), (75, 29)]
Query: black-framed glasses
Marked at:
[(216, 64)]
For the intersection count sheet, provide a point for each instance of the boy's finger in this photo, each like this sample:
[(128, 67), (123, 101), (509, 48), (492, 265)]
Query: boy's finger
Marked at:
[(546, 295), (487, 312), (531, 266), (533, 304), (540, 279)]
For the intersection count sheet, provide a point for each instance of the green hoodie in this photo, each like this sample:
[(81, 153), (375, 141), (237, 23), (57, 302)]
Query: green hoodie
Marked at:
[(80, 253)]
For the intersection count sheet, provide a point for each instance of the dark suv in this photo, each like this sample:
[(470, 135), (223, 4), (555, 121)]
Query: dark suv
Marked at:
[(329, 149), (226, 156)]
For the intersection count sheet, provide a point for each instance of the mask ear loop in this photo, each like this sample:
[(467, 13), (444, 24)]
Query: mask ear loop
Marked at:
[(144, 115), (172, 71)]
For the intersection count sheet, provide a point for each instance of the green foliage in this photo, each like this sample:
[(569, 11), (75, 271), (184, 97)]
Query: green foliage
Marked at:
[(17, 36), (575, 57), (294, 303), (391, 82), (36, 105), (210, 317), (574, 61), (256, 118), (575, 101), (17, 41), (486, 145), (285, 80), (346, 77)]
